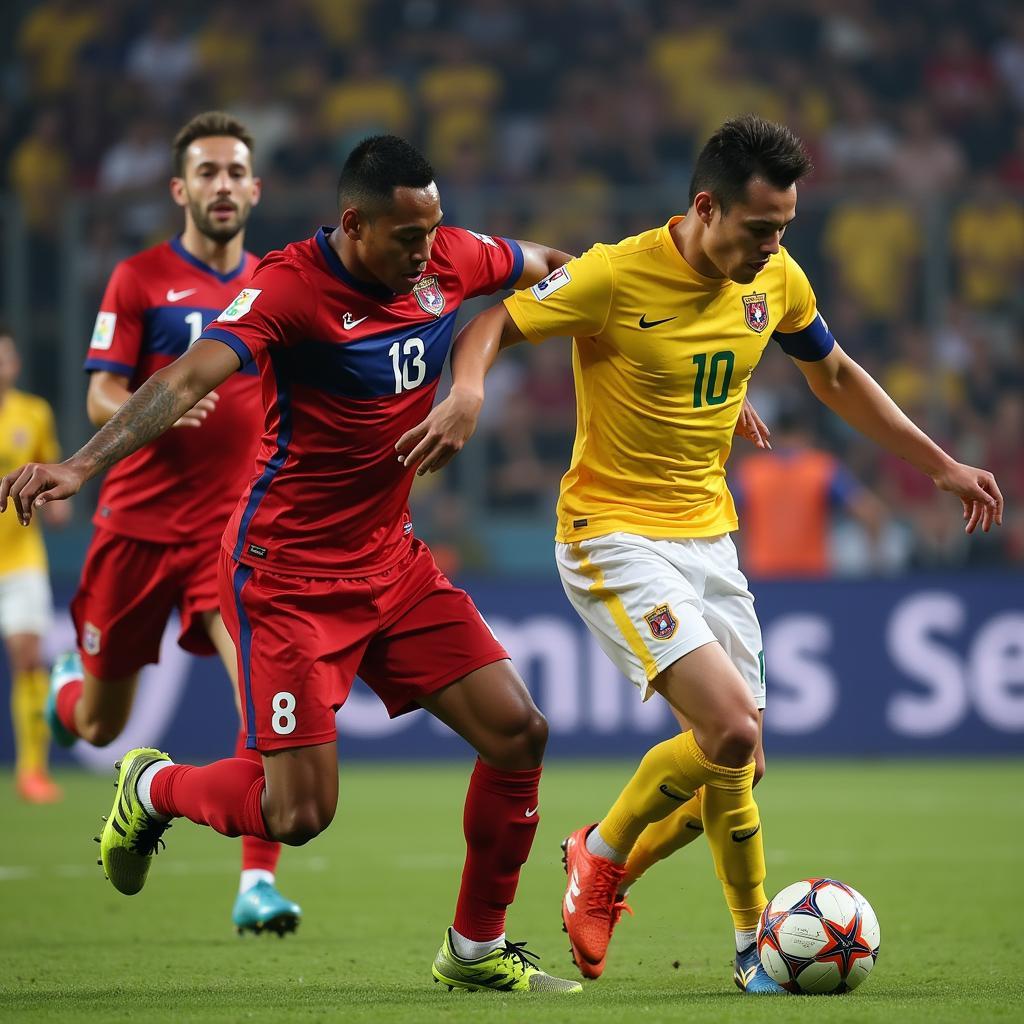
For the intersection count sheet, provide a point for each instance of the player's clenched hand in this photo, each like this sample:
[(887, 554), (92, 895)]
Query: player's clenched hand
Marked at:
[(34, 485), (752, 427), (198, 413), (432, 443), (977, 490)]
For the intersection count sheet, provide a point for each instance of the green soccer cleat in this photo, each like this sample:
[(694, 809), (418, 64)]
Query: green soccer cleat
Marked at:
[(130, 836), (66, 668), (509, 968), (261, 908)]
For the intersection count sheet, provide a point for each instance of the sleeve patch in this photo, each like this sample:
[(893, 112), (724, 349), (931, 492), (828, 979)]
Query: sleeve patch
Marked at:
[(555, 280), (241, 304), (103, 331), (486, 239)]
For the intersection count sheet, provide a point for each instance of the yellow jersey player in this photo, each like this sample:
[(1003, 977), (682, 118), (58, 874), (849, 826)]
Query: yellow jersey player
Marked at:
[(668, 327), (26, 606)]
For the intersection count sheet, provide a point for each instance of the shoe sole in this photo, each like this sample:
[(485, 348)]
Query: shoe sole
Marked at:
[(280, 925)]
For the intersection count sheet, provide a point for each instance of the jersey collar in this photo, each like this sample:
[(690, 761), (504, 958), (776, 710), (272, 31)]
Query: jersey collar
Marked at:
[(175, 244), (377, 291)]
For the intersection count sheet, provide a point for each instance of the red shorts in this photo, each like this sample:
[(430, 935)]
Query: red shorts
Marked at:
[(127, 592), (301, 642)]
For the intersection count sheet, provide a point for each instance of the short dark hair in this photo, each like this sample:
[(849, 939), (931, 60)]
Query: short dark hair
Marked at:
[(743, 148), (376, 167), (203, 126)]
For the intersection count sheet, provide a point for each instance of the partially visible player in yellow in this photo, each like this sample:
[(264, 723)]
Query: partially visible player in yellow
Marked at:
[(668, 327), (26, 606)]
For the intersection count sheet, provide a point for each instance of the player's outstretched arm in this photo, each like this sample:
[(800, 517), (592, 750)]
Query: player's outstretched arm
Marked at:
[(538, 262), (850, 392), (450, 424), (163, 398)]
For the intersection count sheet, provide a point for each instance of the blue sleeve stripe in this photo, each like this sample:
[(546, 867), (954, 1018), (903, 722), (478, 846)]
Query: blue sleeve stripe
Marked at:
[(517, 262), (814, 342), (232, 341), (124, 369)]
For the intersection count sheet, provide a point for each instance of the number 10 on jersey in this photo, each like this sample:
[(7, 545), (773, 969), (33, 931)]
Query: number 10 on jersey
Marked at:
[(718, 376)]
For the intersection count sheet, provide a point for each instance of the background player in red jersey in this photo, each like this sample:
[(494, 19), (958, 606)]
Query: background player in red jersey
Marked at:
[(161, 512), (321, 576)]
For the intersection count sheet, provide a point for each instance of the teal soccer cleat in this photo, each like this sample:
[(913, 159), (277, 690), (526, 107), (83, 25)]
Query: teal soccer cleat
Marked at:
[(66, 668), (751, 977), (262, 908)]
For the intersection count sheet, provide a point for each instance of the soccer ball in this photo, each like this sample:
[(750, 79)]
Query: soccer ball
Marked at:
[(819, 936)]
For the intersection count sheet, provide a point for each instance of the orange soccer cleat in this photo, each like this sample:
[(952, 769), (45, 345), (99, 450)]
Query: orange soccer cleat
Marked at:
[(38, 788), (591, 907)]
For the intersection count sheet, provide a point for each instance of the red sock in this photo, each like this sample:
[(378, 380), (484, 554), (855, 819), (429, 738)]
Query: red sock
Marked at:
[(226, 795), (67, 697), (256, 852), (500, 821)]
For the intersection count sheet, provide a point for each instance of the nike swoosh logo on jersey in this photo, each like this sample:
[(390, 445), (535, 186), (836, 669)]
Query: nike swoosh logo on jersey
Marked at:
[(645, 324), (348, 323), (173, 296)]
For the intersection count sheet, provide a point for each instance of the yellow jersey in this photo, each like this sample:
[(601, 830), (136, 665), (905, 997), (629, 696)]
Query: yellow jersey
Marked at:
[(661, 359), (27, 434)]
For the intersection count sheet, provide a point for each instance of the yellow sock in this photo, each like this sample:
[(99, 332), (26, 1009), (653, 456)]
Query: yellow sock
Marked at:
[(31, 736), (662, 782), (663, 838), (733, 827)]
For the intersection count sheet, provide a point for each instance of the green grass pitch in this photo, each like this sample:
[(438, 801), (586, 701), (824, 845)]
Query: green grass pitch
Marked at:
[(938, 848)]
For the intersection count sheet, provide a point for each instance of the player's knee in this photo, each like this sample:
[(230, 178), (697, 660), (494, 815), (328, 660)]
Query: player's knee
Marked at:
[(736, 741), (758, 767), (99, 733), (299, 824)]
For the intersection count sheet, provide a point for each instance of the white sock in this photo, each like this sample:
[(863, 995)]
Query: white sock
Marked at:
[(744, 938), (142, 788), (467, 949), (250, 876), (599, 848)]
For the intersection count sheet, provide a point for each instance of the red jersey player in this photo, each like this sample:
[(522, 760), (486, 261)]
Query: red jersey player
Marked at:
[(321, 576), (162, 510)]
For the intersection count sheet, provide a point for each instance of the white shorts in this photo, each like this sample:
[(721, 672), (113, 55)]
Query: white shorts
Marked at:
[(651, 601), (26, 603)]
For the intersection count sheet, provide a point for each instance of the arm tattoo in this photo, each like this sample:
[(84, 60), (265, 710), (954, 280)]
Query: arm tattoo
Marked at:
[(146, 415)]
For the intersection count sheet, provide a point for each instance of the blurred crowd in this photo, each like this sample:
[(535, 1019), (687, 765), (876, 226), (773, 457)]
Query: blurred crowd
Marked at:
[(575, 122)]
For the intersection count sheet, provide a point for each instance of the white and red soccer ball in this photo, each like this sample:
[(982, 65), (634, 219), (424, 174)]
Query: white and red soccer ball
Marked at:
[(818, 936)]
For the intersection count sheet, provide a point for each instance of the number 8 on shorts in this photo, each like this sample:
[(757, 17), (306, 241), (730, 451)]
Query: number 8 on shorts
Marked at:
[(283, 705)]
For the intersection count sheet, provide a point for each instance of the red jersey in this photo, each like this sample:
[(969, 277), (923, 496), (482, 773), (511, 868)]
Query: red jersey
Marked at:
[(182, 486), (347, 367)]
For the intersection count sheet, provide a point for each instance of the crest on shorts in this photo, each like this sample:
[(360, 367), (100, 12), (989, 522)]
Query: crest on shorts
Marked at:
[(662, 622), (755, 311), (429, 295), (91, 637)]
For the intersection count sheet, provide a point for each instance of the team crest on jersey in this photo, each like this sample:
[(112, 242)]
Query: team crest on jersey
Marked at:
[(755, 311), (241, 304), (662, 622), (91, 638), (429, 295)]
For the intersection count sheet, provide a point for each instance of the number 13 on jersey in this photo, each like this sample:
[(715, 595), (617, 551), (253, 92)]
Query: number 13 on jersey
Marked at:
[(407, 363)]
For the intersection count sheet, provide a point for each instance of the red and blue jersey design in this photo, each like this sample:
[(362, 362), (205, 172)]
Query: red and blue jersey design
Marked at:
[(347, 367), (182, 486)]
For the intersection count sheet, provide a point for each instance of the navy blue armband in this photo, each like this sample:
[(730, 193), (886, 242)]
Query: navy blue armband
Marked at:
[(814, 342)]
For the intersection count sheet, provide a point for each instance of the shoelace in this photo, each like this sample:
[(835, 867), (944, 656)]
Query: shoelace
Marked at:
[(618, 907), (603, 890), (148, 840), (522, 957)]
